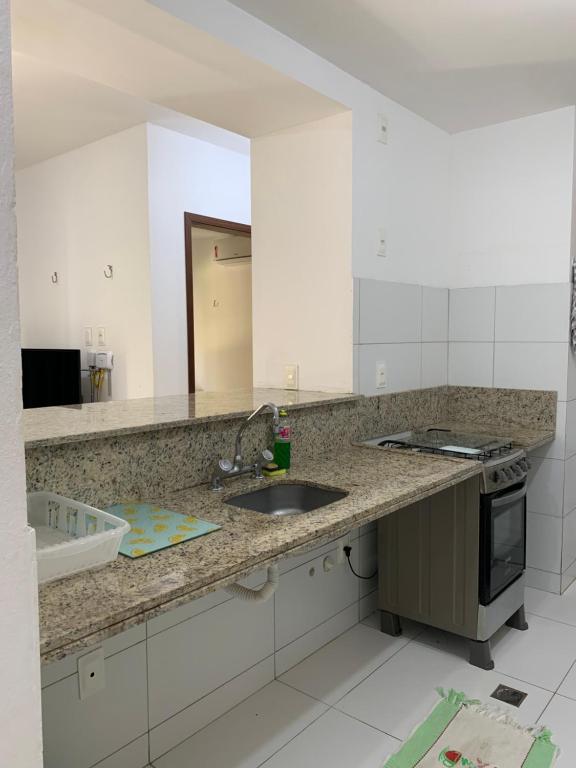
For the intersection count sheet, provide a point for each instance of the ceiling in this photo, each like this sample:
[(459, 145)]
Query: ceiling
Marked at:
[(81, 75), (56, 111), (461, 64)]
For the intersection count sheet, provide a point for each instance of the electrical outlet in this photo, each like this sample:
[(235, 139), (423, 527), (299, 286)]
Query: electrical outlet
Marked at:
[(291, 376), (101, 336), (91, 674), (382, 131), (381, 378), (381, 250)]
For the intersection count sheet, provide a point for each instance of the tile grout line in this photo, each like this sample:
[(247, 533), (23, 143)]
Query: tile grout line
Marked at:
[(191, 735), (296, 734), (494, 338), (147, 693), (209, 693), (406, 644)]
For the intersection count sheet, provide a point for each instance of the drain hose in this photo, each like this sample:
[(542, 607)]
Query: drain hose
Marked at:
[(260, 595)]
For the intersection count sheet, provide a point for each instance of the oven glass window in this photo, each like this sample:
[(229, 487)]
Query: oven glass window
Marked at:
[(508, 544)]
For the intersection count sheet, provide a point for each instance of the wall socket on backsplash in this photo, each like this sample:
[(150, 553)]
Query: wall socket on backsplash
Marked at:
[(381, 378)]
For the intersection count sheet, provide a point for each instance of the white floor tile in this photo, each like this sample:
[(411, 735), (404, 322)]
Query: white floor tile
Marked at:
[(410, 629), (541, 656), (339, 666), (400, 693), (248, 734), (337, 741), (556, 607), (568, 687), (560, 717)]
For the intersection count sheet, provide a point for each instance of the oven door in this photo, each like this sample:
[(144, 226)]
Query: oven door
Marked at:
[(502, 540)]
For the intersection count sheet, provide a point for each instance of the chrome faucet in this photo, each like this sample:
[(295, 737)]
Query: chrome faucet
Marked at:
[(227, 468)]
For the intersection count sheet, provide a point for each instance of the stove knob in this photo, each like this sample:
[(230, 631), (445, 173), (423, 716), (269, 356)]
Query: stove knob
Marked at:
[(509, 474), (495, 476), (518, 469)]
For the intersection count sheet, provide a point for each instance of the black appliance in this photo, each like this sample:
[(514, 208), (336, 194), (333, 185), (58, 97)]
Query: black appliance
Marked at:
[(502, 540), (51, 377)]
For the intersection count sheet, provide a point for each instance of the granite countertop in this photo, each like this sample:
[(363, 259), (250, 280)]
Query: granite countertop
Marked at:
[(68, 424), (84, 609), (527, 438)]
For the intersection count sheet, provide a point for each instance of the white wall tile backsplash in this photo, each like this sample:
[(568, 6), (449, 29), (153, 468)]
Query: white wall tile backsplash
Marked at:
[(532, 365), (570, 444), (546, 487), (545, 580), (569, 540), (434, 314), (472, 314), (434, 364), (544, 542), (389, 312), (470, 364), (532, 312), (569, 485), (402, 363)]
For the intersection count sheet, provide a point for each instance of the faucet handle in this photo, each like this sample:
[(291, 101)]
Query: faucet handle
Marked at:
[(264, 458), (225, 465)]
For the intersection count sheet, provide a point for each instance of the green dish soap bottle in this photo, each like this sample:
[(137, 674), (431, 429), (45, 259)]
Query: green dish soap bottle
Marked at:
[(282, 442)]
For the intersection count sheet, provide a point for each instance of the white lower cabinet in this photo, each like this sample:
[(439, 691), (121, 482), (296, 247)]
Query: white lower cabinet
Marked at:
[(191, 659), (79, 734), (167, 680), (309, 595)]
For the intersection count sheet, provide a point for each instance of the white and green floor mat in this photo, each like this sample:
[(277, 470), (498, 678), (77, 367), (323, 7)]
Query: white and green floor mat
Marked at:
[(463, 733)]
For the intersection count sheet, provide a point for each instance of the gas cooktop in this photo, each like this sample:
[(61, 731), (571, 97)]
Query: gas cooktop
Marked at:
[(503, 464), (447, 442)]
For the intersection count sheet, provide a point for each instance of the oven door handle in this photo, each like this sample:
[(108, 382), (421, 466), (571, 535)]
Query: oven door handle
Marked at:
[(510, 498)]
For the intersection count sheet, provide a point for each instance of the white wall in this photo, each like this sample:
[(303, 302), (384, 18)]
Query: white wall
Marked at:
[(77, 213), (512, 201), (401, 186), (20, 729), (222, 320), (184, 174), (301, 245)]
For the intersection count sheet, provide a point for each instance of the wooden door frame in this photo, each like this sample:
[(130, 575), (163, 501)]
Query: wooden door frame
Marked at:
[(217, 225)]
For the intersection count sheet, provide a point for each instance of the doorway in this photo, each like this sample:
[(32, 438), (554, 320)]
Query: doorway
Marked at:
[(218, 303)]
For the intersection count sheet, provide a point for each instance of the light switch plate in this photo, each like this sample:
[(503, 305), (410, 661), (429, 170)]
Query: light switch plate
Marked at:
[(88, 336), (101, 336), (91, 674), (381, 378), (291, 376)]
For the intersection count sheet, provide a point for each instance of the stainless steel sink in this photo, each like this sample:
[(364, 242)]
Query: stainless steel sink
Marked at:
[(286, 499)]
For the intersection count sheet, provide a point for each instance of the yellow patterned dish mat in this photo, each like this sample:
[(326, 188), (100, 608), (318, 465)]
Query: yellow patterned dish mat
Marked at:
[(153, 528)]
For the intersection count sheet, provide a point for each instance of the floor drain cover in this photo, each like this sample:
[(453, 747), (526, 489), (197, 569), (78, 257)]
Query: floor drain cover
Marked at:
[(509, 695)]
